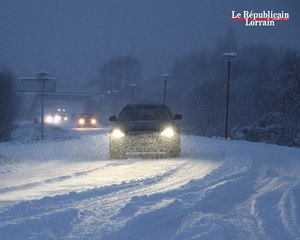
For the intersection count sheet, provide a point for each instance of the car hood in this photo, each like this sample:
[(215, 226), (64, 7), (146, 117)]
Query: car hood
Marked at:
[(143, 126)]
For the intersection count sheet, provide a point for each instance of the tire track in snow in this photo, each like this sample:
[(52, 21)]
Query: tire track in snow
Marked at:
[(275, 205), (96, 209), (51, 180), (220, 203), (211, 197), (290, 211), (33, 216), (101, 214)]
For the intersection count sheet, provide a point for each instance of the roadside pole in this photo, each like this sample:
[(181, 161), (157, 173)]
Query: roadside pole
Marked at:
[(41, 76), (41, 84)]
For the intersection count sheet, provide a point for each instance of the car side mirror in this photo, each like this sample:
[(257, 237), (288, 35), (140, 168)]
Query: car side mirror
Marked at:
[(113, 119), (177, 117)]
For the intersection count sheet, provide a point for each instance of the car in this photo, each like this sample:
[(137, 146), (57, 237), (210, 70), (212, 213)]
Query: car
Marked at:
[(145, 129), (87, 120), (59, 116)]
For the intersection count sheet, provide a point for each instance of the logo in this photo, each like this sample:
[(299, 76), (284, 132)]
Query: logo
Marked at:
[(260, 19)]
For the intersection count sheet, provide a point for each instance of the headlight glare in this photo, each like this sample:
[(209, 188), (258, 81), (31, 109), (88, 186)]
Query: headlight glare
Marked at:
[(57, 118), (81, 121), (168, 132), (93, 121), (117, 133), (49, 119)]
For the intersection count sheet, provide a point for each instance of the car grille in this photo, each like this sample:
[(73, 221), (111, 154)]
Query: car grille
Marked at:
[(145, 139)]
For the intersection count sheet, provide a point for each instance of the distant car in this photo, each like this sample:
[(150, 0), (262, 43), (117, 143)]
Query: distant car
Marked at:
[(61, 114), (87, 120), (58, 117), (144, 129)]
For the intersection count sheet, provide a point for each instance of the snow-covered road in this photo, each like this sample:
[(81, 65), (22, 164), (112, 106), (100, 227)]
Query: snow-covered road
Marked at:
[(216, 190)]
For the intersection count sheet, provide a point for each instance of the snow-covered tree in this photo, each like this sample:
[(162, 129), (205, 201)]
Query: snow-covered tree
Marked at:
[(8, 104), (118, 73), (264, 103)]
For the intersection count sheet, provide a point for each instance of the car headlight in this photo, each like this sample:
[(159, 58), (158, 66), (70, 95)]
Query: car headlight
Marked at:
[(65, 118), (168, 132), (93, 121), (57, 118), (49, 119), (117, 133), (81, 121)]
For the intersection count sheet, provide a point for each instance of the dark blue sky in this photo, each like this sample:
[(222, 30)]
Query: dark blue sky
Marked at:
[(71, 38)]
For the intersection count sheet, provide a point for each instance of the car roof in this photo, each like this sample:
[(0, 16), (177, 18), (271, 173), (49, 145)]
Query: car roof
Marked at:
[(150, 105), (86, 114)]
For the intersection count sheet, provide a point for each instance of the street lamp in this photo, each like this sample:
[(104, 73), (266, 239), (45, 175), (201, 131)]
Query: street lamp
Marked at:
[(229, 55), (165, 77), (133, 85)]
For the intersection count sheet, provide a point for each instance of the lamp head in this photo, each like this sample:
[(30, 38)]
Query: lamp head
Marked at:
[(229, 54)]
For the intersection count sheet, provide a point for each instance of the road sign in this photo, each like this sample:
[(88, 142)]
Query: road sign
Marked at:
[(36, 85)]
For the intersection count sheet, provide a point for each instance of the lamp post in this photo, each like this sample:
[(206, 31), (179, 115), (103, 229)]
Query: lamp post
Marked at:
[(132, 85), (101, 104), (229, 55), (42, 77), (165, 77), (115, 100)]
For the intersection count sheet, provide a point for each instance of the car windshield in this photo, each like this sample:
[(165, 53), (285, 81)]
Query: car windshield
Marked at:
[(87, 115), (144, 113)]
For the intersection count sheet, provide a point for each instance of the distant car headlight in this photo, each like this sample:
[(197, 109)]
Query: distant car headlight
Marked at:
[(93, 121), (168, 132), (81, 121), (49, 119), (117, 133), (57, 118), (65, 118)]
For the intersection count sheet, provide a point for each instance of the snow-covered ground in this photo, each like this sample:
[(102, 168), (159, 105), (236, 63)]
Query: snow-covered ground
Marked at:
[(66, 188)]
